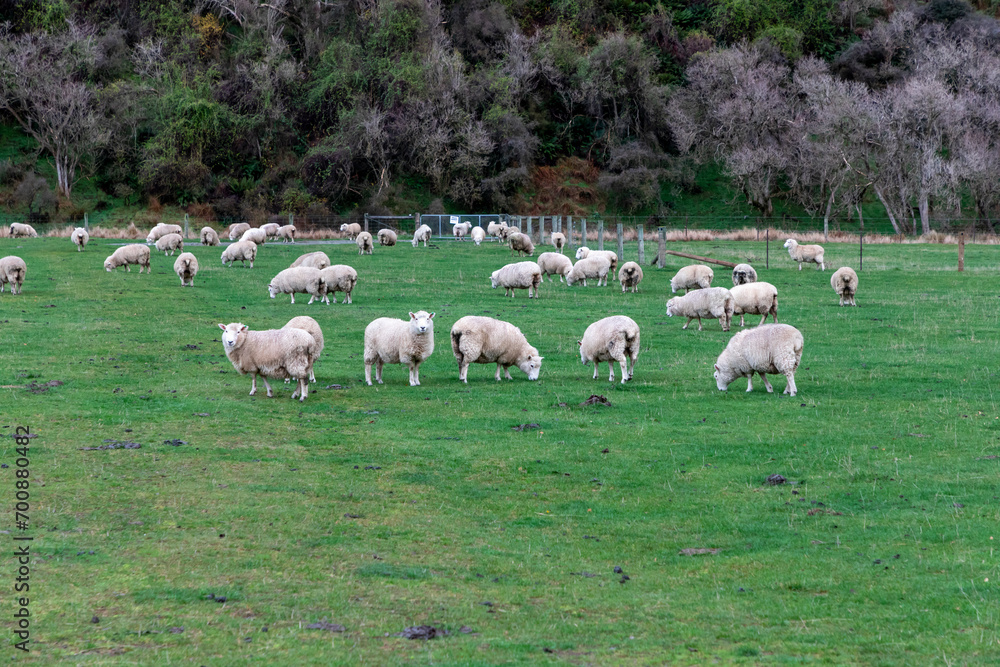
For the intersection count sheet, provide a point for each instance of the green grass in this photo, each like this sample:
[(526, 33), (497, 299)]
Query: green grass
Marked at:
[(878, 554)]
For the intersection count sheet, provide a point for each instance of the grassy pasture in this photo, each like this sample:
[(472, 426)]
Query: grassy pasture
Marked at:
[(391, 506)]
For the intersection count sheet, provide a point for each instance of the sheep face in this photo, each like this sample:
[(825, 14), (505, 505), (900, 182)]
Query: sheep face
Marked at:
[(791, 243), (582, 252), (343, 227), (420, 323), (231, 335), (531, 366), (723, 378), (493, 280), (670, 308), (272, 291), (108, 265)]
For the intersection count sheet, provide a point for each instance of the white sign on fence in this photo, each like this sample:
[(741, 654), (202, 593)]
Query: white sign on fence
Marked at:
[(454, 219)]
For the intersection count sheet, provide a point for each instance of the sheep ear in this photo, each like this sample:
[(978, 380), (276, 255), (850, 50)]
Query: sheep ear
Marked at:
[(431, 317), (717, 368), (244, 329), (579, 343), (412, 316), (222, 326)]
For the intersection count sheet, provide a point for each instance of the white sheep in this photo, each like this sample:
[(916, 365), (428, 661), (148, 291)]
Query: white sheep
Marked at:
[(365, 245), (520, 275), (507, 231), (270, 229), (611, 339), (630, 275), (743, 274), (521, 244), (286, 233), (301, 279), (161, 230), (692, 277), (461, 229), (272, 353), (12, 270), (583, 252), (386, 237), (422, 233), (478, 234), (484, 340), (209, 236), (170, 243), (558, 240), (494, 228), (317, 260), (769, 348), (254, 234), (759, 298), (554, 264), (805, 253), (392, 341), (20, 229), (310, 326), (80, 237), (844, 282), (339, 278), (133, 253), (597, 266), (710, 302), (352, 229), (241, 251), (186, 268), (236, 230)]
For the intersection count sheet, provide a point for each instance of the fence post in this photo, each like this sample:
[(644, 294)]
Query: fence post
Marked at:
[(291, 219), (529, 230), (186, 226), (366, 222), (861, 247), (86, 223), (600, 234), (961, 251), (621, 243), (767, 248), (642, 245), (569, 233), (661, 250), (583, 231), (557, 222), (541, 230)]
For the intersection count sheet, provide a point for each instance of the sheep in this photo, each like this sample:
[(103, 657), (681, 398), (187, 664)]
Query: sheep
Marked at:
[(310, 326), (303, 279), (844, 282), (270, 230), (494, 228), (364, 241), (521, 275), (186, 268), (256, 235), (242, 251), (597, 266), (507, 231), (286, 233), (521, 244), (339, 278), (133, 253), (80, 237), (392, 341), (209, 236), (13, 270), (20, 229), (755, 299), (386, 237), (422, 233), (805, 253), (583, 252), (161, 230), (744, 274), (559, 241), (692, 277), (630, 275), (352, 229), (170, 243), (478, 234), (236, 230), (710, 302), (554, 264), (611, 339), (460, 230), (272, 353), (769, 348), (317, 260), (483, 340)]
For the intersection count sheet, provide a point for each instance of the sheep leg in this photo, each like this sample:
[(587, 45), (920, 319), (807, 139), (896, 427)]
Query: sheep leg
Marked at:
[(506, 372), (790, 389), (368, 374), (741, 319), (626, 375), (800, 266), (688, 322), (253, 384), (293, 297), (128, 269), (463, 372), (304, 391), (762, 320), (596, 364), (699, 323), (378, 370), (267, 386), (767, 385), (611, 370), (415, 374)]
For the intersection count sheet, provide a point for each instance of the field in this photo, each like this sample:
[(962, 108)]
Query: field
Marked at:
[(380, 508)]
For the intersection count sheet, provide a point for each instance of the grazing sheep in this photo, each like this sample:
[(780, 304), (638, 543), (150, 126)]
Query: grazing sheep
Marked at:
[(460, 230), (692, 277), (20, 229), (559, 241), (521, 244), (310, 326), (554, 264), (755, 299), (241, 251), (352, 229), (805, 253), (286, 233), (386, 237), (317, 260), (80, 237), (302, 279), (845, 283), (391, 341), (769, 348), (161, 230), (272, 353), (339, 278), (630, 275), (270, 230), (744, 274), (494, 228), (710, 302), (186, 268), (422, 233), (583, 252), (521, 275), (170, 243), (209, 236), (256, 235), (236, 230), (365, 245), (597, 266), (13, 270), (612, 339), (478, 234), (133, 253), (484, 340), (506, 232)]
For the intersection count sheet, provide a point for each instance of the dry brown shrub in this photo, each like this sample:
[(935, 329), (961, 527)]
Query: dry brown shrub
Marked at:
[(204, 212), (154, 204)]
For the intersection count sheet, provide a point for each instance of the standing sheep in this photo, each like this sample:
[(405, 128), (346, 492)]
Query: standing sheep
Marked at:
[(805, 253), (521, 275), (755, 299), (170, 243), (554, 264), (286, 233), (692, 277), (80, 237), (559, 241), (612, 339), (478, 234), (386, 237), (236, 230), (391, 341), (161, 230), (301, 279), (461, 229), (521, 244), (209, 236), (133, 253), (12, 270), (494, 228), (270, 230), (590, 267), (422, 233), (317, 260), (22, 230), (630, 276), (339, 278), (583, 252), (186, 268), (484, 340), (310, 326), (272, 353), (845, 283), (506, 232), (769, 348), (241, 251), (365, 245), (711, 302), (743, 274), (352, 229), (255, 235)]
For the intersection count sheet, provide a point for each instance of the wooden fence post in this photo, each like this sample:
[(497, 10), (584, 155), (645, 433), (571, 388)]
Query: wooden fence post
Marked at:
[(661, 252), (767, 248), (961, 251), (569, 234), (186, 220), (621, 243), (600, 234), (528, 226), (642, 245), (583, 231)]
